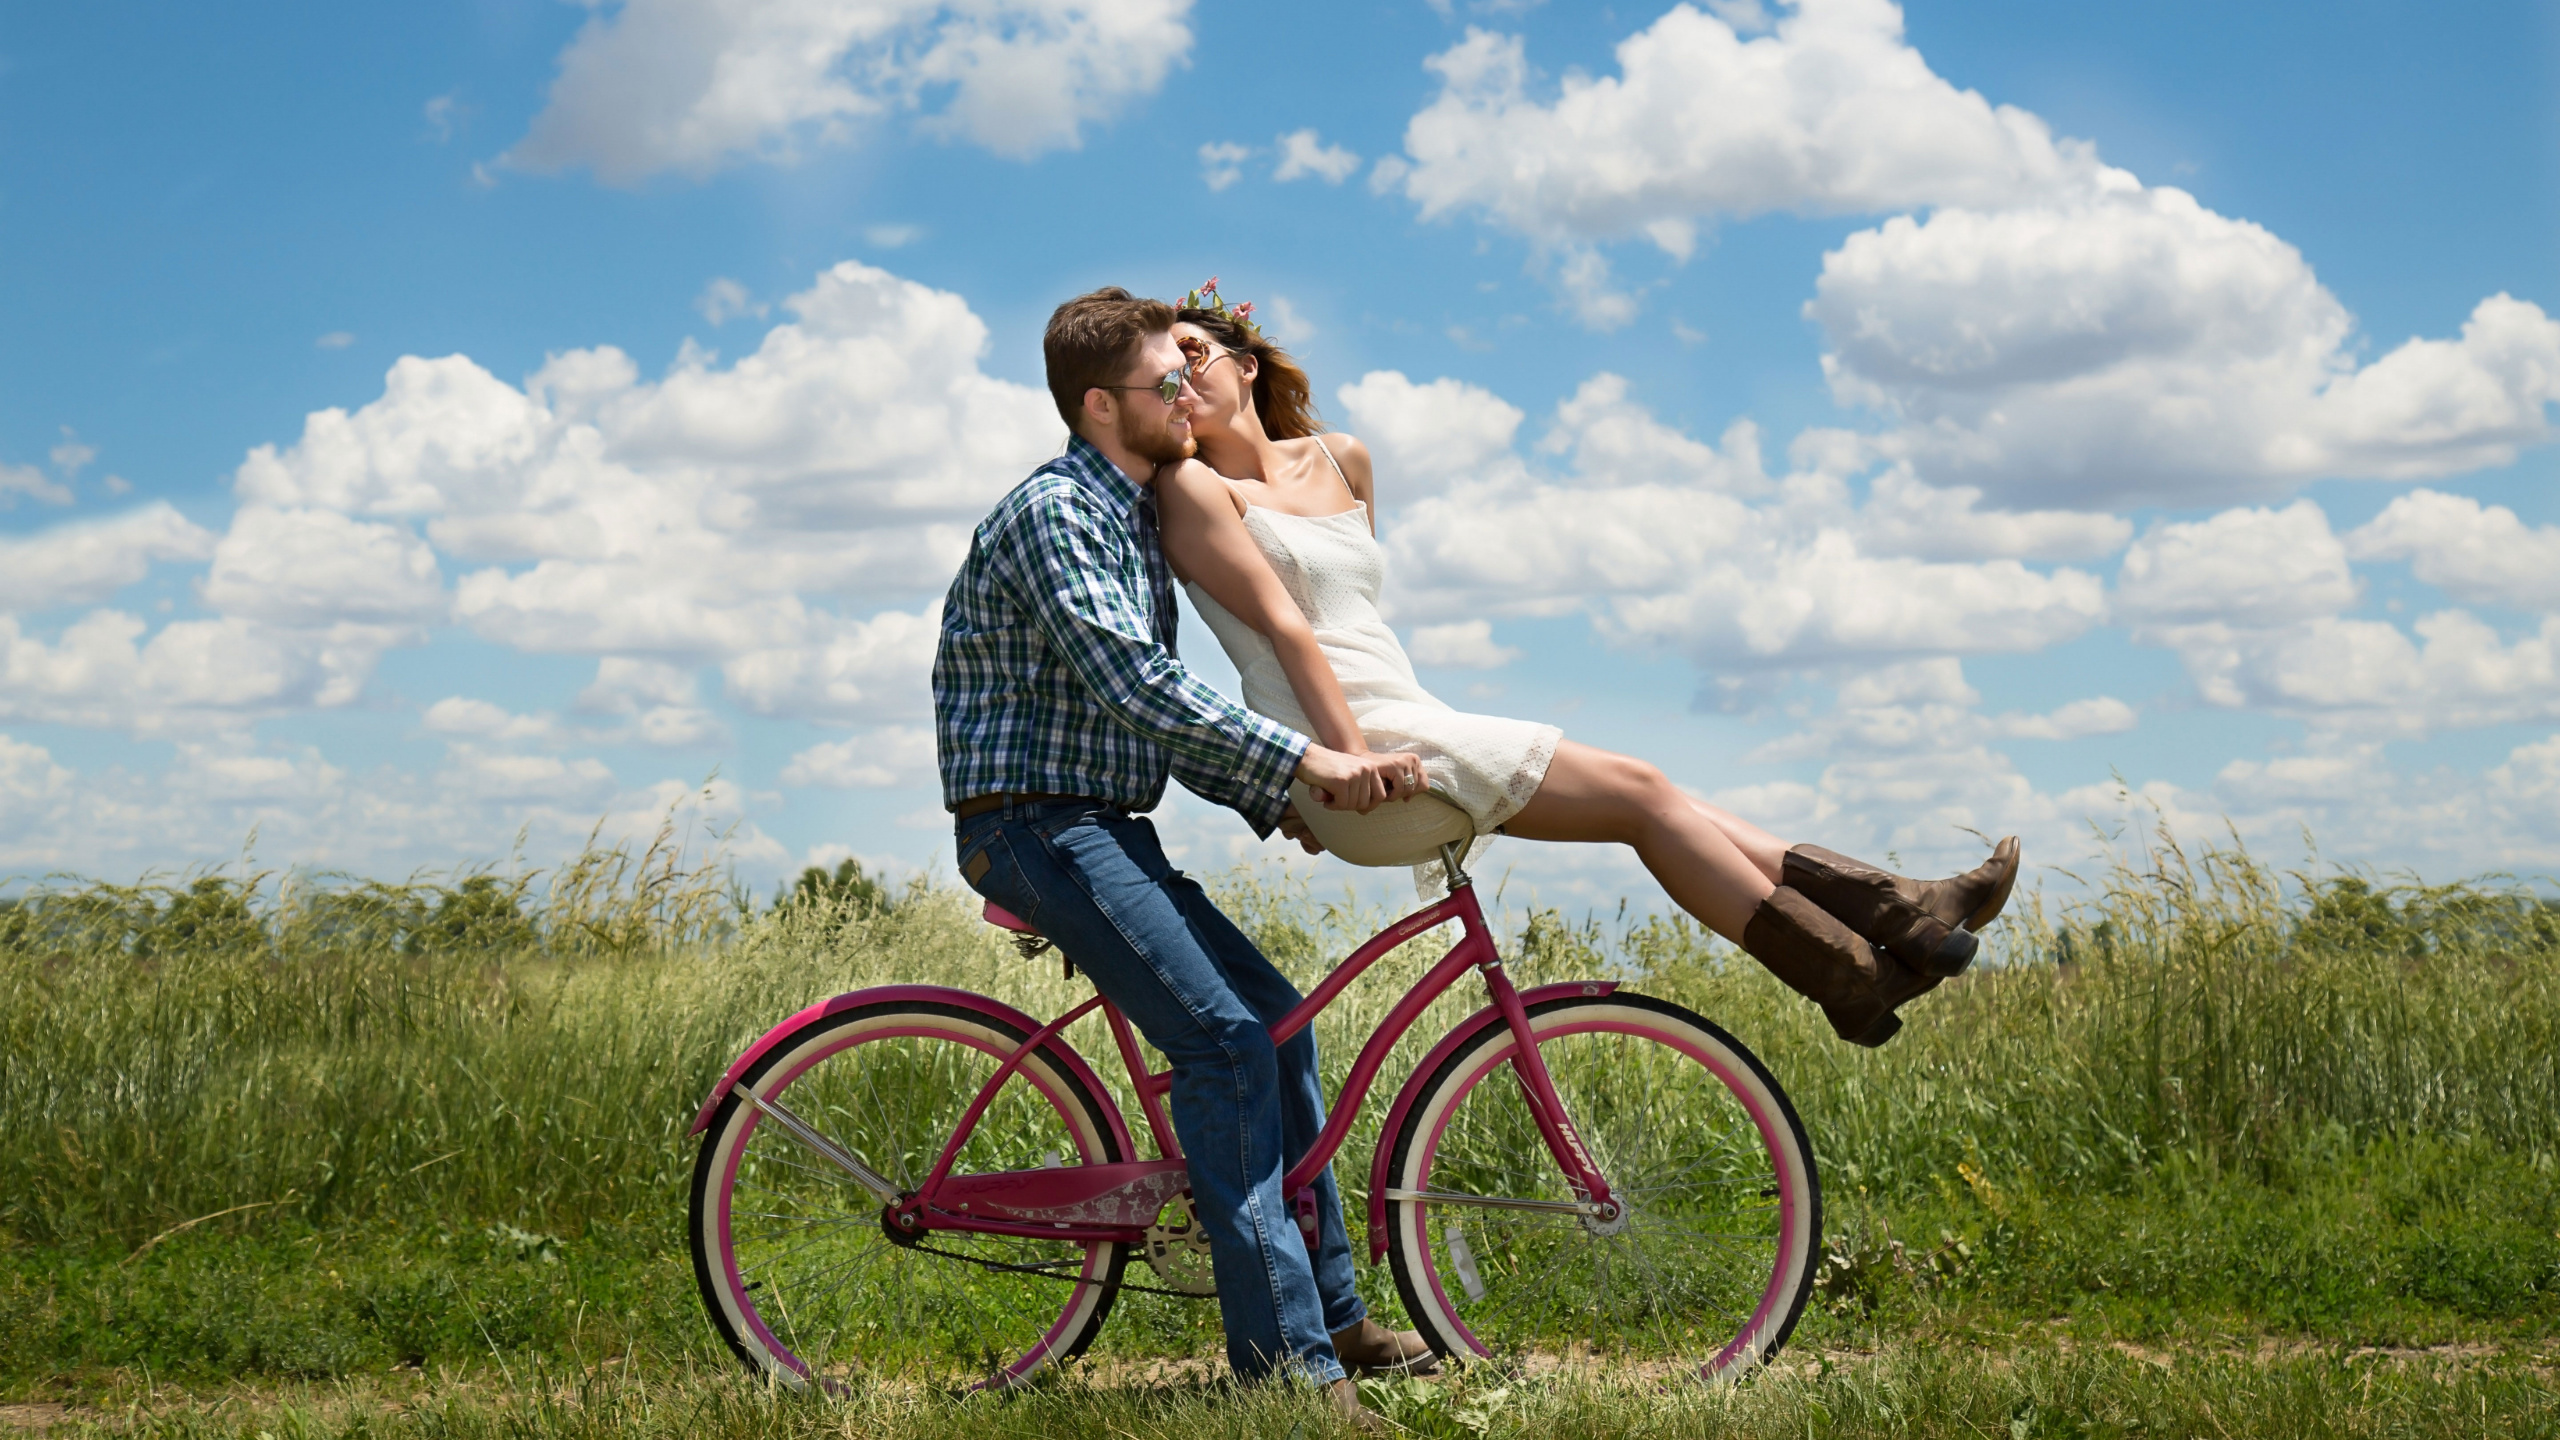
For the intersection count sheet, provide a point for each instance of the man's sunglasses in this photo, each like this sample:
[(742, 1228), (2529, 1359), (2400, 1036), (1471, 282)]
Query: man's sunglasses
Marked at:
[(1168, 389)]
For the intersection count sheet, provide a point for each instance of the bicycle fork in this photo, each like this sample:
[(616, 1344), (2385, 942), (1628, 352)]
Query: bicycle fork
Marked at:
[(1546, 1107)]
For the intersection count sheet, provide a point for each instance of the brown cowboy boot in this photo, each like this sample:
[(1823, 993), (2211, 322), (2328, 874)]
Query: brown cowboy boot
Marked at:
[(1370, 1348), (1823, 960), (1926, 925)]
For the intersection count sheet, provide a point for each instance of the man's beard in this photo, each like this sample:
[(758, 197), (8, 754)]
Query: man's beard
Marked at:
[(1156, 442)]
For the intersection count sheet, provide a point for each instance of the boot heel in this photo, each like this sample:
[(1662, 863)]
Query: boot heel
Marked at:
[(1952, 955), (1884, 1029)]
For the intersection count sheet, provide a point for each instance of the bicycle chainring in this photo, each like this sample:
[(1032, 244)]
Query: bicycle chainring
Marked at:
[(1180, 1251)]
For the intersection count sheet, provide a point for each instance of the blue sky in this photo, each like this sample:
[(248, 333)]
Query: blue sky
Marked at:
[(2084, 436)]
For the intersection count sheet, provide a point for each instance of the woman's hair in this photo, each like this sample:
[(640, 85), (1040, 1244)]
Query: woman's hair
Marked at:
[(1282, 394)]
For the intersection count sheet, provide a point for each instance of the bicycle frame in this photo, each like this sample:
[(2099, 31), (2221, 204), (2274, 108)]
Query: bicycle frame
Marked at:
[(1116, 1202)]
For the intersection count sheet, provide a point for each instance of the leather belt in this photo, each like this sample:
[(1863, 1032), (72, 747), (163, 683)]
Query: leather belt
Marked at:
[(981, 804)]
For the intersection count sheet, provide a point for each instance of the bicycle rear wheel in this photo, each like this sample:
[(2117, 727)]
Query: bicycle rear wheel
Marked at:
[(1710, 1263), (795, 1266)]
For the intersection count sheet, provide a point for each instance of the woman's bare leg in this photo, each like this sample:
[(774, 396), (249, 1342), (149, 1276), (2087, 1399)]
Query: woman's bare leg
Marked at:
[(1593, 795), (1762, 849)]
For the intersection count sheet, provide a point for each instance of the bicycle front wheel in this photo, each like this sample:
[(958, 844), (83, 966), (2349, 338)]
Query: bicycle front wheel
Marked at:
[(798, 1271), (1708, 1264)]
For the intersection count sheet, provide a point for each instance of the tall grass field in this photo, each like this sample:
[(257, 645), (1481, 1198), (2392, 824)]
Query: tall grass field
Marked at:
[(2211, 1150)]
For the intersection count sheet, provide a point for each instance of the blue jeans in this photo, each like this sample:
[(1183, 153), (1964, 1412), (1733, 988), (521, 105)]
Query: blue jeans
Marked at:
[(1095, 880)]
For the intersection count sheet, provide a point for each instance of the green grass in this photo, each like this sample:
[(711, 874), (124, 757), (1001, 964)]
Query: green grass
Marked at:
[(352, 1136)]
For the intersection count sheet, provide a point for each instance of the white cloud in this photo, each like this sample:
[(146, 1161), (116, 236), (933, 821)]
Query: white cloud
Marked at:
[(1657, 535), (743, 515), (2052, 333), (334, 340), (2241, 567), (706, 516), (724, 300), (624, 685), (2135, 347), (1222, 163), (29, 779), (193, 675), (1583, 274), (318, 567), (1615, 441), (308, 809), (479, 719), (1830, 114), (842, 669), (2478, 554), (1903, 516), (2253, 603), (1424, 436), (1464, 645), (2346, 674), (2078, 720), (71, 456), (694, 85), (892, 756), (87, 561), (27, 480), (663, 701), (892, 237), (1302, 155), (1285, 321)]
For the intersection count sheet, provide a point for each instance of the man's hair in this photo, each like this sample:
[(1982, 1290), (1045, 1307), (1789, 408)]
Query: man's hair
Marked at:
[(1093, 340)]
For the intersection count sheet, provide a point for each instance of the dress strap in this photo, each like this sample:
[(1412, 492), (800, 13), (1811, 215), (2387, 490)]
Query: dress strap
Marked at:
[(1336, 464)]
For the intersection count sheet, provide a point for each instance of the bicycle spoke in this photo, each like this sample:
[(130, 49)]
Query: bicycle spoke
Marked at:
[(831, 1287), (1702, 1219)]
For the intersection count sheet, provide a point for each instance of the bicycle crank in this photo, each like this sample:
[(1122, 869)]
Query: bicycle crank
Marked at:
[(1180, 1251)]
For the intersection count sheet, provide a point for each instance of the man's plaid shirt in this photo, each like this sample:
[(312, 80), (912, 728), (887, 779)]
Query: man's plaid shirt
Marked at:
[(1056, 672)]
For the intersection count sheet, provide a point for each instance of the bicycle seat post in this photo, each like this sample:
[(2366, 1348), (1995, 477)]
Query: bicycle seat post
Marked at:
[(1453, 859)]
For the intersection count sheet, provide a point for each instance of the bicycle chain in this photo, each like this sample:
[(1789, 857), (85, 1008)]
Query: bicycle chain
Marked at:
[(1046, 1274)]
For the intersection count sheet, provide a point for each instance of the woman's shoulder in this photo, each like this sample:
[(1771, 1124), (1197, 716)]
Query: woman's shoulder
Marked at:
[(1193, 480), (1353, 458)]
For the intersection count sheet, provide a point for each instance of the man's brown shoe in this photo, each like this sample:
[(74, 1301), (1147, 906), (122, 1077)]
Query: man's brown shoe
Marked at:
[(1370, 1348), (1345, 1398)]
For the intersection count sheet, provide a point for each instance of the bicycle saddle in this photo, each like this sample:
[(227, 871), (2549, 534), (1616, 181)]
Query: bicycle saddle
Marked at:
[(1004, 919), (1400, 832)]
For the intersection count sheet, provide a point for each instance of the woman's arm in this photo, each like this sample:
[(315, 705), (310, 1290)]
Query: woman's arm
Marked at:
[(1206, 540)]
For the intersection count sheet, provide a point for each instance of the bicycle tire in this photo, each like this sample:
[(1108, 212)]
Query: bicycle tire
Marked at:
[(797, 1332), (1630, 1068)]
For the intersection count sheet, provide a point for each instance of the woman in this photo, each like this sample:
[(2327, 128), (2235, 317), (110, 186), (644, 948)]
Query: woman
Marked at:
[(1273, 532)]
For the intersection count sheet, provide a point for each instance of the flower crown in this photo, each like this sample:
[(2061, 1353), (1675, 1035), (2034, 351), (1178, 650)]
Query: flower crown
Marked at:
[(1207, 298)]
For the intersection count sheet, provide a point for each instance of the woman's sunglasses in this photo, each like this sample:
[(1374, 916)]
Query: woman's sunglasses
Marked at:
[(1201, 354)]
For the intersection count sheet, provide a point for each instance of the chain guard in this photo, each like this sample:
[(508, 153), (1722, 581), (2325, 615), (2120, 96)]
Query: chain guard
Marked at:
[(1180, 1251)]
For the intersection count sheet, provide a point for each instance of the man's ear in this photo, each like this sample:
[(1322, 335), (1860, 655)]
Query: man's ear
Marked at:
[(1098, 411)]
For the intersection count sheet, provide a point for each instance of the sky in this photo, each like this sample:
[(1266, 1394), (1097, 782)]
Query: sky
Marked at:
[(428, 433)]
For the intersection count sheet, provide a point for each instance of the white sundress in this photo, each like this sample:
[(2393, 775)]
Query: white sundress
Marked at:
[(1489, 766)]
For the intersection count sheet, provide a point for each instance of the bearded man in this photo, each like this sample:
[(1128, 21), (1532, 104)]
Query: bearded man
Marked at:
[(1060, 709)]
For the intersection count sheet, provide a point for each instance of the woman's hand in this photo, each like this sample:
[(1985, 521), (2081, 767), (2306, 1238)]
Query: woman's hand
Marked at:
[(1361, 782)]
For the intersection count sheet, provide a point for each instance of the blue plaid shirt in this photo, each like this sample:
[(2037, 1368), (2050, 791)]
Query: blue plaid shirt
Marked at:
[(1056, 672)]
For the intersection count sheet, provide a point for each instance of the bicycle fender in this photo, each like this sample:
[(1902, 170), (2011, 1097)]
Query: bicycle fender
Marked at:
[(1406, 1098), (938, 994)]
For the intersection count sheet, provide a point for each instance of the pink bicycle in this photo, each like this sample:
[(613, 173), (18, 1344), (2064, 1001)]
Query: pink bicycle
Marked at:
[(922, 1182)]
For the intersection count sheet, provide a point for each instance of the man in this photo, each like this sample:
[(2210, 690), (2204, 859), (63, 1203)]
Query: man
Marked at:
[(1060, 709)]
